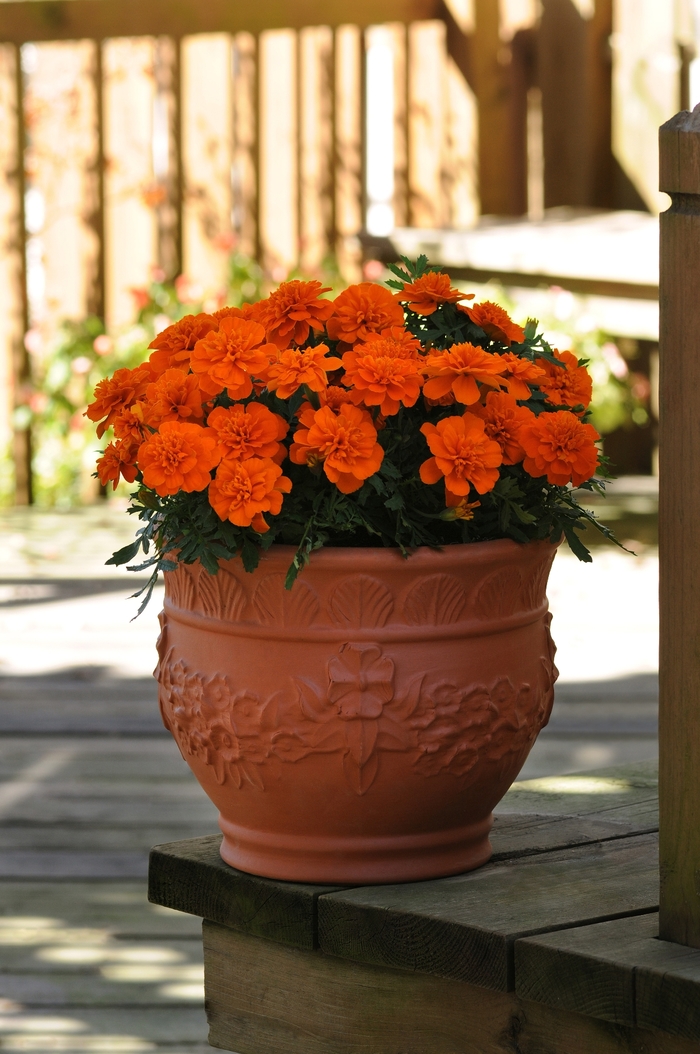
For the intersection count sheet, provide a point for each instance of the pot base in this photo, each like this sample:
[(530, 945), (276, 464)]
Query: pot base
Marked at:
[(357, 860)]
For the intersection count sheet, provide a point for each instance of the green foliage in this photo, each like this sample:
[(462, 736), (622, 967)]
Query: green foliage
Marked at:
[(393, 508)]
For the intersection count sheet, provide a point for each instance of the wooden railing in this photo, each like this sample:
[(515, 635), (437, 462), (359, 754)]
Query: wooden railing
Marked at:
[(179, 129)]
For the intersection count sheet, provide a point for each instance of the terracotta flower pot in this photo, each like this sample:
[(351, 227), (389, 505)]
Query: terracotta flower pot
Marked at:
[(361, 727)]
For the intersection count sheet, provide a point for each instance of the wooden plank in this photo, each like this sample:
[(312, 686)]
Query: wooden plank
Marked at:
[(12, 289), (167, 1030), (623, 794), (118, 909), (22, 958), (61, 162), (461, 150), (426, 115), (173, 986), (679, 534), (315, 141), (490, 77), (278, 158), (60, 865), (589, 970), (245, 143), (131, 195), (98, 19), (266, 999), (618, 971), (514, 835), (464, 927), (191, 876), (207, 157), (348, 149), (646, 90)]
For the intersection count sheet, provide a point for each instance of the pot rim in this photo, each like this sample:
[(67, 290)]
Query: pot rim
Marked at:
[(350, 556)]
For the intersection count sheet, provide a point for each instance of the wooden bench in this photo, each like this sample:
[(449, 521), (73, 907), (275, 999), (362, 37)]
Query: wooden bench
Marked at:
[(550, 947)]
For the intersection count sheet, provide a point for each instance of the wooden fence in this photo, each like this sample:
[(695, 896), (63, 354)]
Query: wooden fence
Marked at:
[(142, 134)]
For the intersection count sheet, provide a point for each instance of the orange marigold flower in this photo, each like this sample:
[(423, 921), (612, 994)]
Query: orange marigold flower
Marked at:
[(360, 310), (560, 447), (115, 393), (568, 384), (293, 310), (231, 356), (459, 369), (175, 396), (130, 423), (243, 490), (503, 419), (520, 372), (118, 461), (425, 294), (380, 378), (249, 312), (345, 443), (462, 453), (401, 341), (458, 508), (175, 344), (249, 431), (179, 456), (332, 396), (495, 322), (293, 368)]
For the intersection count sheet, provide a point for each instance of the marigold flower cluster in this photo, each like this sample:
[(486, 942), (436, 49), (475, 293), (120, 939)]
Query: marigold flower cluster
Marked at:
[(300, 390)]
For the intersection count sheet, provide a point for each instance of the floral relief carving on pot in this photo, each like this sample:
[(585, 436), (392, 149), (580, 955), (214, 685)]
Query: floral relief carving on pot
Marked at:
[(361, 601), (275, 605), (435, 600), (210, 721), (357, 713)]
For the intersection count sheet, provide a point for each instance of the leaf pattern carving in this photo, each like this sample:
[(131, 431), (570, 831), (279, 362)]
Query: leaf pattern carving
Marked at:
[(361, 601), (500, 594), (289, 607), (180, 587), (437, 600), (232, 596), (534, 587), (208, 601)]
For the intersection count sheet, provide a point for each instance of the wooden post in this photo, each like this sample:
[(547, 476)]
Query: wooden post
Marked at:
[(679, 532)]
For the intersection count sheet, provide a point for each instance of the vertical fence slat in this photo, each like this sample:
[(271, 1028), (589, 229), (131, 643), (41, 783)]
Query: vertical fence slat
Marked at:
[(167, 155), (207, 152), (315, 145), (245, 146), (245, 143), (131, 232), (427, 59), (96, 288), (348, 147), (461, 169), (14, 361), (278, 151), (62, 176), (400, 52), (679, 534)]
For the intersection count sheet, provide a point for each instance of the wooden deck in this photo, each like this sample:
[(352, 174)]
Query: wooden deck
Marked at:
[(90, 781), (551, 946)]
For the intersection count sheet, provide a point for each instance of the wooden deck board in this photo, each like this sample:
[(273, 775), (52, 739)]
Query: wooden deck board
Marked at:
[(617, 971)]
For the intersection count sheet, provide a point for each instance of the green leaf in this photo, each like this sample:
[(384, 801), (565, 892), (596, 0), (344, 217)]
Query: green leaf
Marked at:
[(122, 556)]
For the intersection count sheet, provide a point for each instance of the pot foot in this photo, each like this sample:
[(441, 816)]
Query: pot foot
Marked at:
[(357, 860)]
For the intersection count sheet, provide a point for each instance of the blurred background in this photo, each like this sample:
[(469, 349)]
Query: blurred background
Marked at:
[(160, 158), (154, 161)]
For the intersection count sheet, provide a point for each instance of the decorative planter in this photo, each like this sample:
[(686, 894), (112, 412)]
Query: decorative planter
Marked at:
[(361, 727)]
